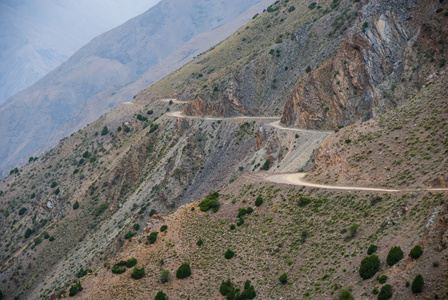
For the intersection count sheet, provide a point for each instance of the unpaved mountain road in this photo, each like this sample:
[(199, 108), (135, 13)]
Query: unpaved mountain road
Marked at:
[(298, 179)]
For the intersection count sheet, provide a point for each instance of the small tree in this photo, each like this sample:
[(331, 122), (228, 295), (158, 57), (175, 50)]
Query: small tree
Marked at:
[(283, 278), (259, 201), (152, 237), (199, 242), (266, 165), (163, 228), (346, 295), (161, 296), (152, 212), (28, 232), (382, 279), (104, 131), (385, 293), (369, 266), (76, 205), (417, 284), (416, 252), (136, 226), (395, 255), (138, 273), (229, 254), (131, 262), (75, 288), (184, 271), (164, 277), (372, 249)]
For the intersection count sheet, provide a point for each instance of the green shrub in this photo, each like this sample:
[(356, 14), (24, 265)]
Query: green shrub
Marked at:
[(228, 289), (291, 9), (375, 291), (417, 284), (266, 165), (129, 235), (240, 222), (33, 195), (229, 254), (211, 201), (199, 242), (242, 212), (308, 69), (382, 279), (259, 201), (51, 238), (416, 252), (372, 249), (28, 232), (100, 209), (385, 293), (249, 210), (395, 255), (104, 131), (232, 226), (138, 273), (353, 229), (161, 296), (22, 211), (152, 212), (369, 266), (1, 295), (76, 205), (164, 277), (312, 5), (283, 278), (152, 237), (56, 191), (184, 271), (53, 184), (81, 273), (119, 267), (136, 226), (346, 295), (163, 228), (150, 112), (46, 235), (75, 288), (37, 241), (131, 262), (304, 201)]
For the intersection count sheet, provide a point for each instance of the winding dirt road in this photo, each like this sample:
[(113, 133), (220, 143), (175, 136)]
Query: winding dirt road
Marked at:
[(297, 179)]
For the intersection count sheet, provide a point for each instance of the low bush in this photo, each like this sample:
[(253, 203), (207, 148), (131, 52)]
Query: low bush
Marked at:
[(81, 273), (138, 273), (259, 201), (161, 296), (22, 211), (346, 295), (184, 271), (382, 279), (152, 212), (152, 237), (229, 254), (131, 262), (75, 288), (163, 228), (119, 267), (416, 252), (240, 222), (417, 284), (385, 293), (395, 255), (372, 249), (241, 212), (76, 205), (228, 289), (129, 235), (249, 210), (28, 232), (369, 266), (199, 242), (232, 226), (136, 226), (164, 277), (210, 202), (283, 278)]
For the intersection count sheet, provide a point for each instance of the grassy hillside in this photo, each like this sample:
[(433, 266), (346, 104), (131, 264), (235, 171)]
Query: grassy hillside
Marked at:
[(318, 238)]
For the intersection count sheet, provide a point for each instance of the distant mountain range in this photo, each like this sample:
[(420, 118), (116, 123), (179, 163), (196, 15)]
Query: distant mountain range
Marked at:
[(89, 83), (38, 36)]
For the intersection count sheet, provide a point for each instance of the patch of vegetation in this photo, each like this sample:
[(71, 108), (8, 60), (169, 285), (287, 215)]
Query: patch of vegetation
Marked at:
[(416, 252), (129, 235), (119, 267), (369, 266), (283, 278), (131, 262), (184, 271), (346, 295), (152, 237), (163, 228), (228, 289), (417, 284), (22, 211), (138, 273), (75, 288), (161, 296), (385, 293), (76, 205), (229, 254), (395, 255), (100, 209), (259, 201), (372, 249), (382, 279), (210, 202), (104, 131), (164, 277), (28, 232)]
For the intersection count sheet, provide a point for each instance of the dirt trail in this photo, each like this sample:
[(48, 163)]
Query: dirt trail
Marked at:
[(175, 101), (297, 179), (178, 114)]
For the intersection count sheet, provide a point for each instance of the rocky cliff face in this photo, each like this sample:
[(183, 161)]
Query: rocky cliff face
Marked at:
[(380, 64)]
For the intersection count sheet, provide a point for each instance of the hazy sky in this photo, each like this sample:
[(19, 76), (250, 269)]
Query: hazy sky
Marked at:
[(38, 35)]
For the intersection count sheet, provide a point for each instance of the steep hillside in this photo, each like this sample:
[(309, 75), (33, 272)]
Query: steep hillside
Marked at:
[(406, 147), (76, 211), (110, 61)]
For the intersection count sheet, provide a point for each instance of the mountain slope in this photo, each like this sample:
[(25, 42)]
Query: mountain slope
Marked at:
[(113, 59), (36, 37)]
